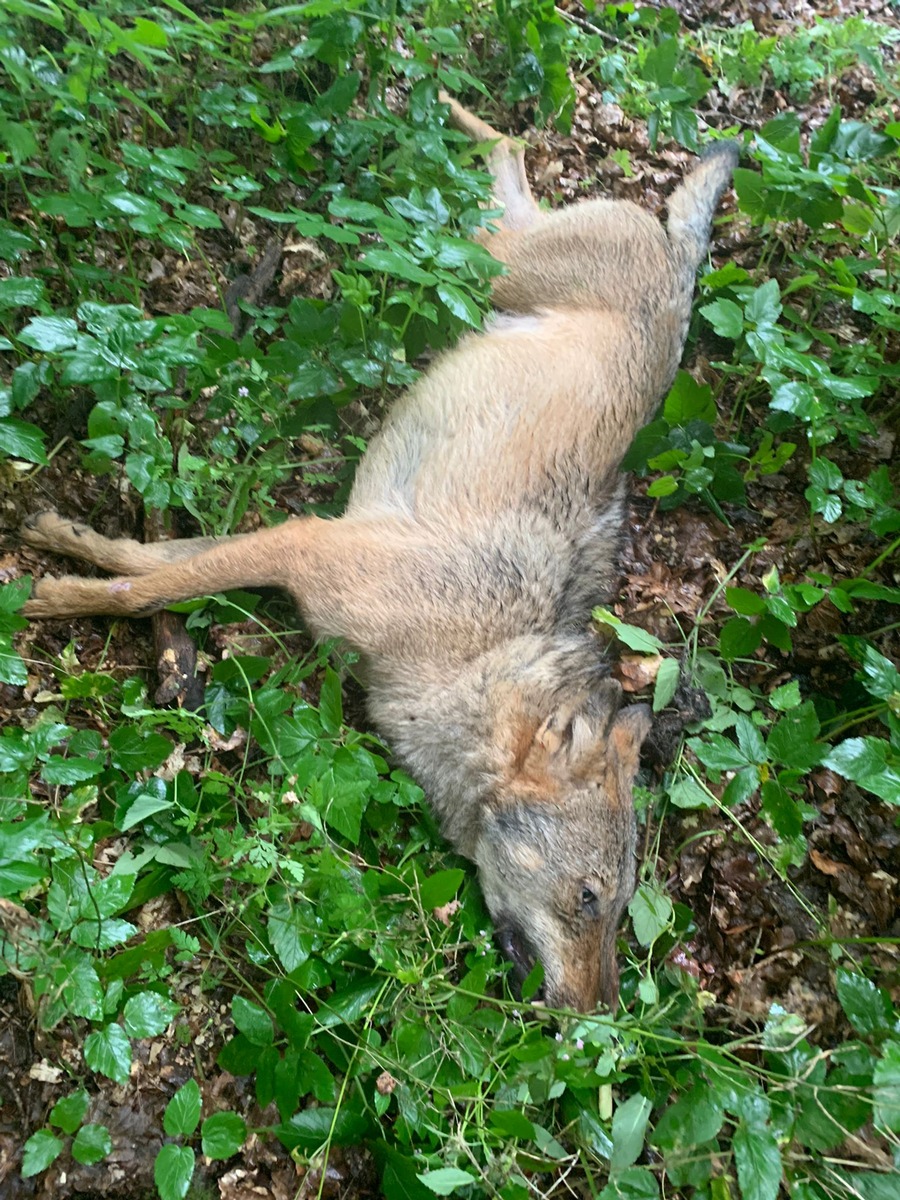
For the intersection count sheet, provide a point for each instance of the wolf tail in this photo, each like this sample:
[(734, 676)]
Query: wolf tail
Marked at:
[(692, 206)]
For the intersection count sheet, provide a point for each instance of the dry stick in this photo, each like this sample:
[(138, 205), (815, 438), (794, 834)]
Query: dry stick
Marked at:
[(176, 654), (253, 287)]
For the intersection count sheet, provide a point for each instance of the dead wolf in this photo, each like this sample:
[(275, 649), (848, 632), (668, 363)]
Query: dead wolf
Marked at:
[(481, 529)]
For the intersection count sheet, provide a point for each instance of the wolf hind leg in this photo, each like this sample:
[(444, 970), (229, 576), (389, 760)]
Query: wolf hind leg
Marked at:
[(506, 161)]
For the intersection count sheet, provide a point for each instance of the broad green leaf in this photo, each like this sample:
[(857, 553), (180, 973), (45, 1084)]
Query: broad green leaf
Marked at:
[(20, 291), (290, 934), (108, 896), (182, 1115), (758, 1161), (131, 751), (41, 1149), (634, 1183), (726, 318), (398, 264), (785, 697), (887, 1088), (687, 793), (718, 753), (446, 1180), (108, 1051), (49, 334), (148, 1014), (631, 635), (330, 703), (309, 1129), (694, 1118), (461, 305), (103, 935), (173, 1171), (666, 685), (68, 1113), (868, 1008), (252, 1021), (743, 601), (738, 639), (437, 889), (92, 1143), (629, 1124), (223, 1134), (869, 762), (82, 990), (21, 439), (149, 801), (651, 913)]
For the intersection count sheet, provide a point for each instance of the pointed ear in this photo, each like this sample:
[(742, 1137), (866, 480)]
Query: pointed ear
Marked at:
[(629, 729)]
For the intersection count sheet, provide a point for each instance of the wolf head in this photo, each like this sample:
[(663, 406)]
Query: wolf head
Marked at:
[(556, 851), (528, 759)]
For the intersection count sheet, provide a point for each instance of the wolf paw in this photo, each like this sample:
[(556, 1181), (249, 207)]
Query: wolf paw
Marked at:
[(44, 598), (49, 531)]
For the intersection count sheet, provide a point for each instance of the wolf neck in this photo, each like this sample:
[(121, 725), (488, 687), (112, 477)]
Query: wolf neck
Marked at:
[(448, 730)]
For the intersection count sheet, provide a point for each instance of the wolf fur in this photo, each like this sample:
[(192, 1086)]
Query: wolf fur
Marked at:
[(482, 527)]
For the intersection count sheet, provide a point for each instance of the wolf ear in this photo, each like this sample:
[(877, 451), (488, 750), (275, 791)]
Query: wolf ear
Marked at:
[(582, 722), (627, 735), (588, 729)]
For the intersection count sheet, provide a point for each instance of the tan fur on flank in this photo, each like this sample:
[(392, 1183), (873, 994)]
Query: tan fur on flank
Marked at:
[(482, 528)]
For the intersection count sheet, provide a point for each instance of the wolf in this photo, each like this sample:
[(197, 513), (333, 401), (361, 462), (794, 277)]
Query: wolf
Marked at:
[(481, 529)]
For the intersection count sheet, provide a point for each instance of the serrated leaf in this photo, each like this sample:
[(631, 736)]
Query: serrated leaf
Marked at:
[(103, 935), (92, 1144), (223, 1134), (743, 601), (868, 1008), (726, 318), (131, 751), (252, 1021), (290, 935), (173, 1171), (738, 639), (758, 1161), (182, 1115), (41, 1149), (148, 1014), (82, 992), (68, 1113), (785, 697), (108, 1052), (887, 1088), (687, 793)]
